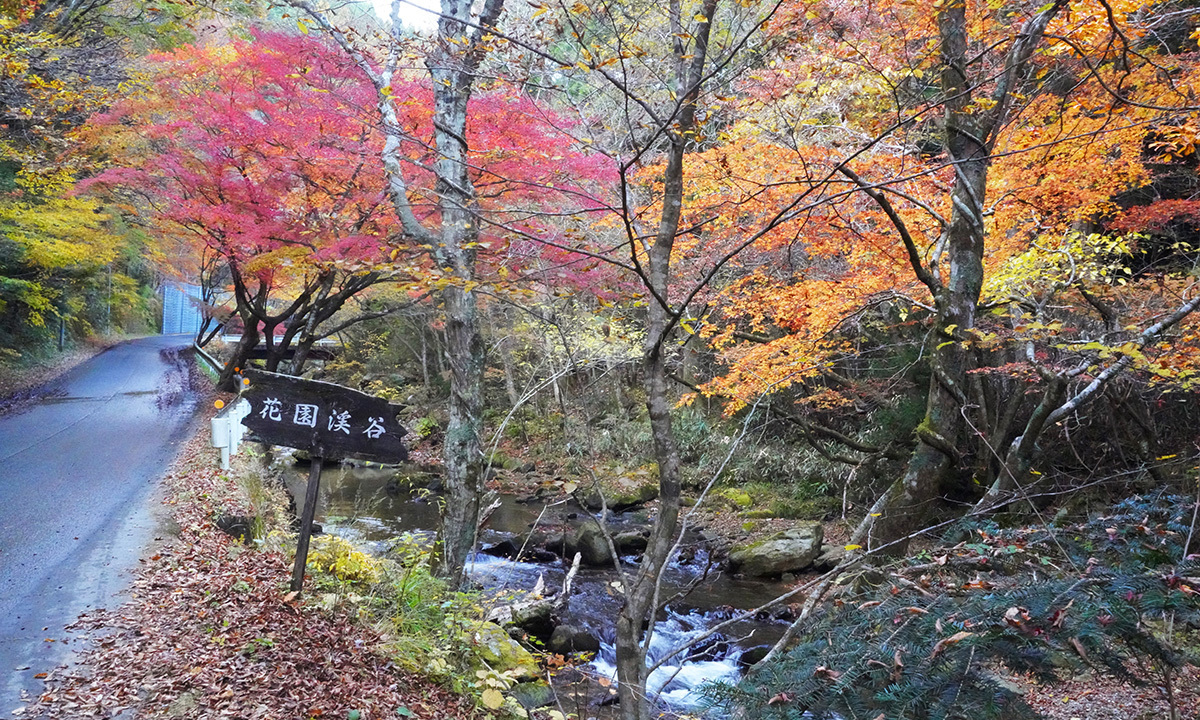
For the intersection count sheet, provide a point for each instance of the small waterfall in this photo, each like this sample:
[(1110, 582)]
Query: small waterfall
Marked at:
[(676, 684)]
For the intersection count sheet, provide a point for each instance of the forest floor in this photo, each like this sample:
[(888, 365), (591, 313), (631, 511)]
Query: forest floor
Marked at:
[(1090, 697)]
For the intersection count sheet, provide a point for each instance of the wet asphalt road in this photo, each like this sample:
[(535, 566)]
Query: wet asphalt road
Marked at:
[(78, 467)]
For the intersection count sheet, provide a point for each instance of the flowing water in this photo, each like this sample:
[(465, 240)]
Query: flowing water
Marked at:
[(366, 505)]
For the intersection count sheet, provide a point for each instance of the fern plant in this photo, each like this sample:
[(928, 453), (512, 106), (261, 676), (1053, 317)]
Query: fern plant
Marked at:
[(931, 639)]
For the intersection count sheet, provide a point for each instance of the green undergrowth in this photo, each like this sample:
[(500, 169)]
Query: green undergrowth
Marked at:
[(759, 500), (424, 627)]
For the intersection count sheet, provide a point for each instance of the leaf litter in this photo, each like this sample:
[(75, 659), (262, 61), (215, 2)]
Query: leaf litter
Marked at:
[(211, 631)]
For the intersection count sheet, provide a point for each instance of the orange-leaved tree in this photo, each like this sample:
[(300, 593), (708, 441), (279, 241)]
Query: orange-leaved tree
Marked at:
[(962, 129)]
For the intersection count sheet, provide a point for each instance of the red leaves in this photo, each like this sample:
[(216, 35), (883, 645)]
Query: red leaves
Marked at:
[(268, 153), (1157, 215)]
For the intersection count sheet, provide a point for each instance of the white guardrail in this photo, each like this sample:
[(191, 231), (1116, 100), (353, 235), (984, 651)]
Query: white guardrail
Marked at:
[(227, 429)]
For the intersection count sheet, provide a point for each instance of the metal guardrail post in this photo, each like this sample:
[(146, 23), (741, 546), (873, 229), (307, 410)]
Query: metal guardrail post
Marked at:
[(212, 361)]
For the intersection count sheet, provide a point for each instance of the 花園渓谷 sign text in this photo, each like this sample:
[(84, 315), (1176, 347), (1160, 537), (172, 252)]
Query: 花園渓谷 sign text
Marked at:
[(325, 419)]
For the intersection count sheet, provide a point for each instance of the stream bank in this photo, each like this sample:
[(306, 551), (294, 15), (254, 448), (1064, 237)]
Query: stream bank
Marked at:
[(372, 507)]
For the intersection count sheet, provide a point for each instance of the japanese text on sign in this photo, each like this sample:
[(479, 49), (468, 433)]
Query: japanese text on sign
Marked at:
[(323, 418)]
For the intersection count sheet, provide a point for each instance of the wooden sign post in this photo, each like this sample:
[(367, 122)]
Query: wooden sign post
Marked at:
[(326, 420)]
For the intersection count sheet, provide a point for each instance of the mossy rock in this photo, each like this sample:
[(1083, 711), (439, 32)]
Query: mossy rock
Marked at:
[(812, 509), (622, 491), (532, 695), (733, 498), (792, 550), (504, 462), (503, 654)]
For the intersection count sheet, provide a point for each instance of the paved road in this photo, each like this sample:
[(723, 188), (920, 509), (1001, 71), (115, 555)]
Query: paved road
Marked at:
[(77, 470)]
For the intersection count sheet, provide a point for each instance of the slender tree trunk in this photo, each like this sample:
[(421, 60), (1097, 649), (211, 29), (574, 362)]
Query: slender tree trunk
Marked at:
[(501, 319), (424, 359), (452, 68), (462, 447), (1019, 458), (642, 598)]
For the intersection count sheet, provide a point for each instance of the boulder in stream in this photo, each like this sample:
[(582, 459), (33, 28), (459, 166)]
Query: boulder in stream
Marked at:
[(830, 557), (588, 540), (788, 551), (513, 549), (621, 492), (569, 639), (752, 656), (535, 618), (631, 542), (503, 654), (549, 540)]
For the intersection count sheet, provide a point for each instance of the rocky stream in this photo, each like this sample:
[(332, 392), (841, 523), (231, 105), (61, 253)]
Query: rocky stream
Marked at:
[(525, 541)]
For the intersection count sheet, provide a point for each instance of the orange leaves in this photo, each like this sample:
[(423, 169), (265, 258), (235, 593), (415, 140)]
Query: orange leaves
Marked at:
[(1157, 215), (952, 640)]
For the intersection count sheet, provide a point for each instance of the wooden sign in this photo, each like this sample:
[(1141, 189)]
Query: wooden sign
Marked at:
[(325, 419)]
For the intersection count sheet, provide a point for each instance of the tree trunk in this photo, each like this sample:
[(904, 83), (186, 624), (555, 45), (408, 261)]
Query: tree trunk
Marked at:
[(642, 598), (241, 352), (940, 433), (463, 444), (970, 133), (452, 67), (508, 345)]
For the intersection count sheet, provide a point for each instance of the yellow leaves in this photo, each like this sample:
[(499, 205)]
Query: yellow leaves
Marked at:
[(285, 260), (303, 26), (1177, 142), (981, 104), (338, 557), (57, 232), (492, 698), (1052, 263)]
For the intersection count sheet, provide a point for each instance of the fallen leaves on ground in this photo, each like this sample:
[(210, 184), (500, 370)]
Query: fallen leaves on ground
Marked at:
[(211, 632), (1103, 698)]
